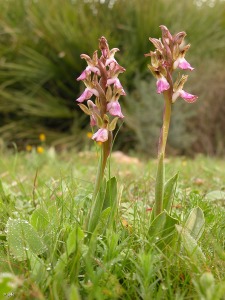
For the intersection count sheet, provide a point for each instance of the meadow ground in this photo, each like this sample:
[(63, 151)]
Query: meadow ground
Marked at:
[(45, 252)]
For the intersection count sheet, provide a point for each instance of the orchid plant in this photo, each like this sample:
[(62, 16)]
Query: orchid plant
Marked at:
[(168, 56), (102, 83)]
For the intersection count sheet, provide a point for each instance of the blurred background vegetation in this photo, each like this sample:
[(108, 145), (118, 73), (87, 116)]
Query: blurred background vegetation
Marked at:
[(41, 42)]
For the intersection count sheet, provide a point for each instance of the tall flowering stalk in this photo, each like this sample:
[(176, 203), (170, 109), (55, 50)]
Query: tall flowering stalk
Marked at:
[(168, 56), (101, 81)]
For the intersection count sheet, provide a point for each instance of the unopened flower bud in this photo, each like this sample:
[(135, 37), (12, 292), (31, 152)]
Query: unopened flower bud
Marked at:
[(166, 34), (104, 47), (179, 37)]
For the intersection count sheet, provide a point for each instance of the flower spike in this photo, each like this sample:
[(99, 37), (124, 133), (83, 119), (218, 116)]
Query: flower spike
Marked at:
[(101, 80), (169, 55)]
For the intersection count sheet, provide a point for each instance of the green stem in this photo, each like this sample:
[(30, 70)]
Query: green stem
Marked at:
[(166, 122), (101, 167), (98, 200), (160, 177)]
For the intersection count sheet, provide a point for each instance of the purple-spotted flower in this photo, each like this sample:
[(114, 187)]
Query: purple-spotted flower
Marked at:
[(101, 80), (169, 55)]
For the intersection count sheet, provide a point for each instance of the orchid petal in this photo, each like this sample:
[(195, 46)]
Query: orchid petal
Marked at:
[(114, 109), (188, 97), (101, 135), (162, 85), (85, 95)]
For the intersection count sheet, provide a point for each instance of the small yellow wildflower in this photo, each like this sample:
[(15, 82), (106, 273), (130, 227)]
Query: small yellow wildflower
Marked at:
[(184, 163), (28, 148), (40, 149), (42, 137), (126, 225), (99, 143), (89, 135)]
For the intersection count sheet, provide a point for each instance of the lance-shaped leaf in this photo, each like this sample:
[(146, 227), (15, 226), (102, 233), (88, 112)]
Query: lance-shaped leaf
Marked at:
[(217, 196), (190, 245), (85, 109), (159, 188), (169, 190), (195, 223), (112, 125), (162, 229), (96, 208)]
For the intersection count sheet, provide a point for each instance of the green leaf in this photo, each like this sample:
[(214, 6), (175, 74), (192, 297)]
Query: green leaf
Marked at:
[(190, 244), (85, 109), (61, 264), (111, 199), (169, 190), (40, 219), (215, 196), (75, 237), (38, 268), (22, 237), (159, 188), (97, 208), (162, 228), (102, 222), (73, 293), (112, 125), (111, 193), (99, 120), (2, 192), (195, 223)]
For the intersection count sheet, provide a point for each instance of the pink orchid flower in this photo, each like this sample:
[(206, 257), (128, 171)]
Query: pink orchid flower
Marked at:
[(162, 85), (101, 135), (114, 109), (88, 92), (182, 64), (184, 95)]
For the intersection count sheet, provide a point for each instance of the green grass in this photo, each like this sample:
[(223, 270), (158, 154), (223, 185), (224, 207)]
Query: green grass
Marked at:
[(41, 42), (52, 257)]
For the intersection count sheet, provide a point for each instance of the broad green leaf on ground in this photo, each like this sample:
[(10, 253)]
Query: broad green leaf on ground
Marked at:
[(38, 268), (195, 223), (40, 219), (190, 244), (23, 238), (162, 228), (217, 196)]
